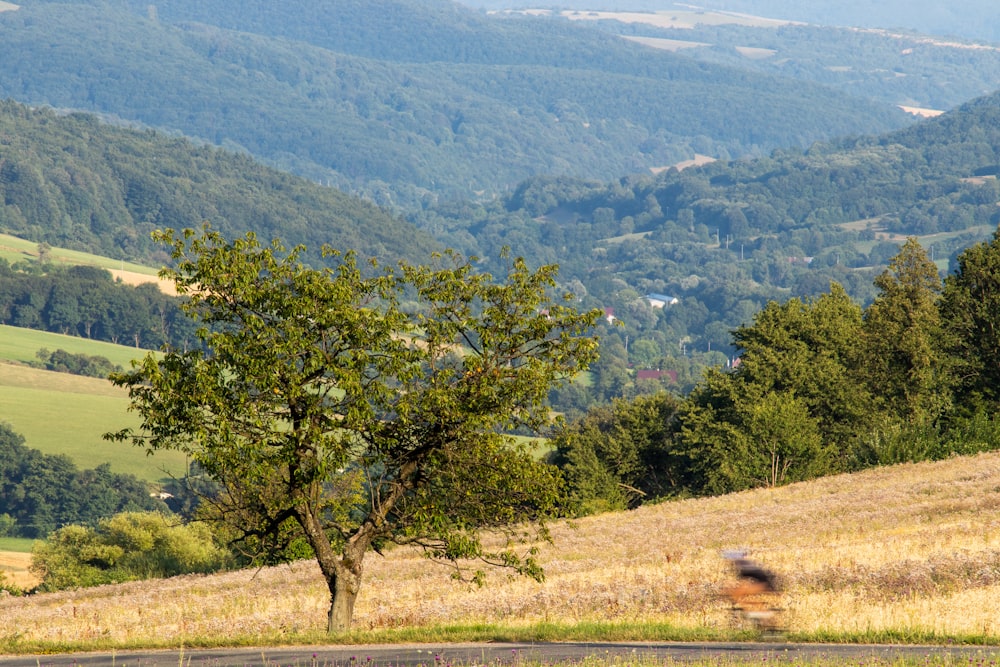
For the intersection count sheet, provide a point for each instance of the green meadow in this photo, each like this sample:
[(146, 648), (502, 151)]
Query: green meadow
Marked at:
[(59, 413), (22, 345), (14, 249)]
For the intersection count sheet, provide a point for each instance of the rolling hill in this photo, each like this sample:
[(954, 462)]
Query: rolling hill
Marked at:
[(74, 182), (405, 101), (59, 413), (725, 238)]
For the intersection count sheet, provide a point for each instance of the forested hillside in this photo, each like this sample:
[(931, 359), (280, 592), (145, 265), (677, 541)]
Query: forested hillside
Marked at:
[(725, 238), (409, 101), (72, 181)]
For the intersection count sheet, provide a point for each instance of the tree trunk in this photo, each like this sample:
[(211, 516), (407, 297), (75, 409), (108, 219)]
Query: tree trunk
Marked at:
[(343, 593), (342, 572)]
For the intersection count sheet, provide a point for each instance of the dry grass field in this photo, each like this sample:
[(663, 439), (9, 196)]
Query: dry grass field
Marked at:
[(910, 551), (14, 567)]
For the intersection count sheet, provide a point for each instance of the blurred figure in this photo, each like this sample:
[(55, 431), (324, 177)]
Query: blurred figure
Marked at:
[(755, 595)]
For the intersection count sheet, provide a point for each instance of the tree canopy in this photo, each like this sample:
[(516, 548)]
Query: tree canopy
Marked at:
[(358, 408)]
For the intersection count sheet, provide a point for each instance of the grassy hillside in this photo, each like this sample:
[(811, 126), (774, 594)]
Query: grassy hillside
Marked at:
[(59, 413), (907, 553), (18, 344), (15, 249)]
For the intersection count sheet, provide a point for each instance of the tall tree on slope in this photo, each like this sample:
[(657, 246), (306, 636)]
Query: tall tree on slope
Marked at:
[(330, 408)]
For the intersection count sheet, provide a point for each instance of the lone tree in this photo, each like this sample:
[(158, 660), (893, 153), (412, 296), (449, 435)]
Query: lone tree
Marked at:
[(355, 411)]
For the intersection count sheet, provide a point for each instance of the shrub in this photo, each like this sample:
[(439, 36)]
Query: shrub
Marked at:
[(126, 547)]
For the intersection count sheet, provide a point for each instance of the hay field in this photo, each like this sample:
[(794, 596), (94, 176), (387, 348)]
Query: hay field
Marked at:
[(14, 568), (912, 550)]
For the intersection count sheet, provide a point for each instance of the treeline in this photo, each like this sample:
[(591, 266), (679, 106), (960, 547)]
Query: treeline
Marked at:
[(40, 493), (85, 301), (822, 386)]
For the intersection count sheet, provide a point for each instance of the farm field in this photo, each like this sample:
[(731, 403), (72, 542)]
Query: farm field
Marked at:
[(908, 553), (59, 413), (21, 345), (14, 249), (15, 558)]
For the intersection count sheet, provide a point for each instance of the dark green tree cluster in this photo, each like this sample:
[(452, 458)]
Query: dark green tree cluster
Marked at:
[(74, 182), (40, 492), (821, 386), (62, 361), (86, 301)]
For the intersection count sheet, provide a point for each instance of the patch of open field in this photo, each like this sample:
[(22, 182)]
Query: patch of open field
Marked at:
[(912, 550), (696, 161), (14, 569), (59, 413), (922, 112), (18, 344), (15, 249)]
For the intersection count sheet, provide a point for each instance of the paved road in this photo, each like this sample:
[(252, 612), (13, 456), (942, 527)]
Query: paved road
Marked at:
[(495, 654)]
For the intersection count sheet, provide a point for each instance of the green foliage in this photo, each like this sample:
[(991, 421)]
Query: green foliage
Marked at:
[(126, 547), (906, 365), (821, 386), (806, 220), (71, 181), (324, 409), (971, 312), (616, 457)]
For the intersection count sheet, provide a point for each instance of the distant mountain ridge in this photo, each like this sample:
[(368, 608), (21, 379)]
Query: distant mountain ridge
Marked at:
[(421, 100), (972, 19)]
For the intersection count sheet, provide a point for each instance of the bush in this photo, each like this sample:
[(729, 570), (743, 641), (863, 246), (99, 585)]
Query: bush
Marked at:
[(127, 547)]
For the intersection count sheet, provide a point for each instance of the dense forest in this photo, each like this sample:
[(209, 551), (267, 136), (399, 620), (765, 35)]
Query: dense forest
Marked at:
[(822, 386), (407, 102), (726, 238), (85, 301)]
